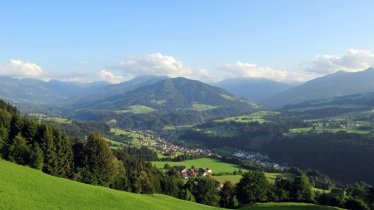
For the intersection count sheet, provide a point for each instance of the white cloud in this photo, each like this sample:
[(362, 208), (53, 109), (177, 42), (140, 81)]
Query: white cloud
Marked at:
[(249, 70), (110, 77), (154, 64), (354, 60), (18, 68)]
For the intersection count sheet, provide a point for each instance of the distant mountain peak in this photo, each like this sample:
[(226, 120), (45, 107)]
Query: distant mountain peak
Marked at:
[(253, 89), (340, 83)]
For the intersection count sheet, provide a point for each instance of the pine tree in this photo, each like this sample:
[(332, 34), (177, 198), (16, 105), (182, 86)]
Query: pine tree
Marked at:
[(46, 141), (100, 160), (227, 196)]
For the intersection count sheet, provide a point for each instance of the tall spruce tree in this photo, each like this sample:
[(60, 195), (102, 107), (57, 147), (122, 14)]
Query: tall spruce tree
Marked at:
[(227, 196), (100, 161)]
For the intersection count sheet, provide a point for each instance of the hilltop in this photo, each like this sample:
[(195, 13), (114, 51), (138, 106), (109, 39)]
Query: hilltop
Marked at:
[(333, 85), (172, 101)]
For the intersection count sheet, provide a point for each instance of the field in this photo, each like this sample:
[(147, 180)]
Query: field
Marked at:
[(25, 188), (221, 131), (216, 165), (58, 120), (202, 107), (137, 109), (336, 125), (236, 178), (136, 139), (114, 144), (55, 119), (133, 137), (259, 117), (221, 171)]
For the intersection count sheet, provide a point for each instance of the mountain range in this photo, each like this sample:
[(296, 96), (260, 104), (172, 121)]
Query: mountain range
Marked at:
[(255, 90), (30, 94), (145, 102), (171, 101), (337, 84), (174, 100)]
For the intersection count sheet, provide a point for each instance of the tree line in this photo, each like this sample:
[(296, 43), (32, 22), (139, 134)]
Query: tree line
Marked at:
[(45, 147), (254, 187)]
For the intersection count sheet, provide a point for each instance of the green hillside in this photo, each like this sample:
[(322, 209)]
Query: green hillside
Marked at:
[(174, 101), (25, 188)]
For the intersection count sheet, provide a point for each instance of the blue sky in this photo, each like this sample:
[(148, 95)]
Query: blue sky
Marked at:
[(209, 40)]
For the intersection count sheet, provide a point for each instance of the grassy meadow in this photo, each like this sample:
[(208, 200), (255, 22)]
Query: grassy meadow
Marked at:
[(259, 117), (137, 109), (25, 188), (338, 124), (216, 165), (221, 171)]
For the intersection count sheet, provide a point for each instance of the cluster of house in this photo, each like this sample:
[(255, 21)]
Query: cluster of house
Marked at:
[(188, 173), (336, 124), (244, 155), (171, 149), (261, 159), (168, 148)]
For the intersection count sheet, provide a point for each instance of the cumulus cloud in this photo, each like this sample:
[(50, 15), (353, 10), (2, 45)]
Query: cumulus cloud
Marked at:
[(110, 77), (354, 60), (153, 64), (18, 68), (249, 70)]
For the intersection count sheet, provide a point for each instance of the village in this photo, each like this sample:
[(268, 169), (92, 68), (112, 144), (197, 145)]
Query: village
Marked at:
[(165, 147), (259, 158)]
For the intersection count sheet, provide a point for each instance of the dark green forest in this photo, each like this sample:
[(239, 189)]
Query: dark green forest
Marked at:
[(341, 155)]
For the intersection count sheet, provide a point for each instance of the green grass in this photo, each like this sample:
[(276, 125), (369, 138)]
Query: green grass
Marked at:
[(114, 144), (287, 206), (221, 171), (133, 137), (175, 127), (137, 109), (335, 125), (333, 130), (272, 176), (236, 178), (254, 117), (25, 188), (59, 120), (202, 107), (118, 131), (220, 131), (230, 178), (216, 165)]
